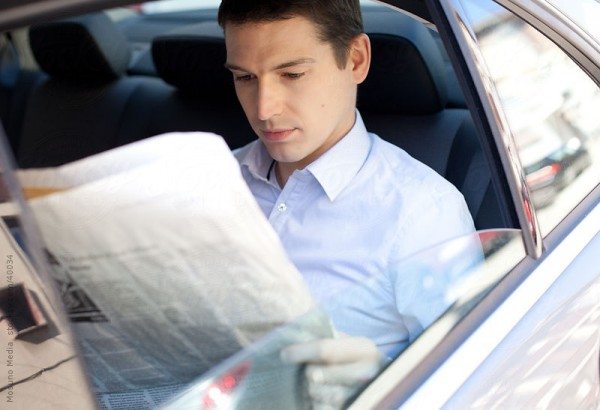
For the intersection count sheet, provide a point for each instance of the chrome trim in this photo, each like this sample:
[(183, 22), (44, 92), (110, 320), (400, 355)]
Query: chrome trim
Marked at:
[(543, 7), (532, 236)]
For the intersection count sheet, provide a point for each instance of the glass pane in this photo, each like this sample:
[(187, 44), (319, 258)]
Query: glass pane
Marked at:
[(420, 300), (552, 108)]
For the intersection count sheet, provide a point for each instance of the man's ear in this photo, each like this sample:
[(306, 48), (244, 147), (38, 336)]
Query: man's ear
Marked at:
[(359, 57)]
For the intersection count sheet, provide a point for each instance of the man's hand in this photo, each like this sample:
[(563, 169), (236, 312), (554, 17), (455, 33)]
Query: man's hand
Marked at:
[(336, 368)]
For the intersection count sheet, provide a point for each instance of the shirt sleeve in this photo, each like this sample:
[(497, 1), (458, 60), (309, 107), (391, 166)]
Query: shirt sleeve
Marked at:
[(422, 277)]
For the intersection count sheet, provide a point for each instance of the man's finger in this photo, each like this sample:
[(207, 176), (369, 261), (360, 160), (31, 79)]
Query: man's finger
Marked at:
[(344, 350)]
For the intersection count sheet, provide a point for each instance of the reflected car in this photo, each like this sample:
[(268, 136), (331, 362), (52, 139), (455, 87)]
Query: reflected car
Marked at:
[(549, 175), (512, 318)]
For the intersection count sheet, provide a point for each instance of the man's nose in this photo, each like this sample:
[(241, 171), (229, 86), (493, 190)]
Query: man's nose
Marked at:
[(269, 101)]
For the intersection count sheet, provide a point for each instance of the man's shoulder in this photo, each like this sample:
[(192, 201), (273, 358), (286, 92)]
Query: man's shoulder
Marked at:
[(433, 209), (410, 176)]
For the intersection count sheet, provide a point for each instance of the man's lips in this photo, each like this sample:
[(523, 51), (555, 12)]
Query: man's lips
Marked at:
[(277, 134)]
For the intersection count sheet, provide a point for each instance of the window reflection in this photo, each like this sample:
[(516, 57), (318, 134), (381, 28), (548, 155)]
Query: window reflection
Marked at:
[(551, 106), (431, 292)]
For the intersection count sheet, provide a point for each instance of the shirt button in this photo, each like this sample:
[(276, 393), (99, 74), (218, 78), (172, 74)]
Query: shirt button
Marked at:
[(281, 207)]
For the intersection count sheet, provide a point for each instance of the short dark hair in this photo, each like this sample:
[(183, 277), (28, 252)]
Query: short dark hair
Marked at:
[(338, 21)]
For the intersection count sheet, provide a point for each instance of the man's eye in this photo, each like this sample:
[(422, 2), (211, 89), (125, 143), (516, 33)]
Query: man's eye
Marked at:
[(293, 76), (243, 78)]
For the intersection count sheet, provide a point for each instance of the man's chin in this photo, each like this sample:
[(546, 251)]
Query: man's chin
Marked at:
[(280, 154)]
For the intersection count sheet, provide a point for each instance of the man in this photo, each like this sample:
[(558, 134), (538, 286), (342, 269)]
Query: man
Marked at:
[(346, 204)]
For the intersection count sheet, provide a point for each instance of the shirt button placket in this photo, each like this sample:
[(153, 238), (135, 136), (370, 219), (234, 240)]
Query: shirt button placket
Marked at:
[(282, 207)]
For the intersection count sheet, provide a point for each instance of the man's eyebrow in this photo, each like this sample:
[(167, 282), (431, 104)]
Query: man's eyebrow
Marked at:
[(234, 67), (279, 67), (295, 62)]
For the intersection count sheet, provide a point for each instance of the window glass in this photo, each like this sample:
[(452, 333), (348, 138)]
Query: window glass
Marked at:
[(551, 106), (430, 293)]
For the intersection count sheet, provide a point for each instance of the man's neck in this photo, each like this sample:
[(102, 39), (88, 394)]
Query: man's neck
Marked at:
[(283, 171)]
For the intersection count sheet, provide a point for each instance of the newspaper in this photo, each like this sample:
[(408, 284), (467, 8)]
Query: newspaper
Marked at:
[(165, 261)]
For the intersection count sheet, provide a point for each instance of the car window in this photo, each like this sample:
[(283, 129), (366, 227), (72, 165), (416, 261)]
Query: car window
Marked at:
[(431, 292), (551, 107)]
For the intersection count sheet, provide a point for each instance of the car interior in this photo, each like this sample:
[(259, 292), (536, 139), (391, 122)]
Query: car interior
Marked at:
[(102, 82)]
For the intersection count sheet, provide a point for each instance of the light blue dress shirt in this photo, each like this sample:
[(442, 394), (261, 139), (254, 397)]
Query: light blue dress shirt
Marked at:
[(350, 216)]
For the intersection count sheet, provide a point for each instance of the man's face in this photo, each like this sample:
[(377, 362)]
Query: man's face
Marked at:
[(297, 99)]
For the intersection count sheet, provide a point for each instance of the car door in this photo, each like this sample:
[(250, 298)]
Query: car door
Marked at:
[(534, 77)]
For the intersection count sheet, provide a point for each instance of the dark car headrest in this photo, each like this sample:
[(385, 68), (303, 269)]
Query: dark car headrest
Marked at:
[(407, 68), (88, 47), (192, 59)]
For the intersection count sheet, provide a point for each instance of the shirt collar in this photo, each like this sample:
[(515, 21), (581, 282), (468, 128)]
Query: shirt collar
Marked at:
[(337, 166), (334, 169), (257, 160)]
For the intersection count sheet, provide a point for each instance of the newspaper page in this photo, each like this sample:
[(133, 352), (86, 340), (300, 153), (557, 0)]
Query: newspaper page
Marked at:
[(166, 263)]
